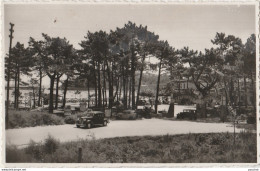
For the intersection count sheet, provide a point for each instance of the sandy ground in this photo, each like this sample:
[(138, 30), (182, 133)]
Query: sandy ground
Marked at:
[(118, 128)]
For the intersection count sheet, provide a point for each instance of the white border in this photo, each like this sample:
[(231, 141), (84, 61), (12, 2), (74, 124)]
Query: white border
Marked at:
[(132, 165)]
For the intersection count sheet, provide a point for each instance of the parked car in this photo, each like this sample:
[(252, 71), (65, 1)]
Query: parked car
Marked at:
[(187, 114), (92, 119), (127, 114)]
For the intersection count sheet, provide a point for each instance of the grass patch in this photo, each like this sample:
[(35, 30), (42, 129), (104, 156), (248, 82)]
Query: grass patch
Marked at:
[(187, 148), (21, 119)]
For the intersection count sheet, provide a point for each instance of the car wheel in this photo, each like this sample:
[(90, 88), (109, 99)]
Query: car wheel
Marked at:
[(105, 123), (78, 126)]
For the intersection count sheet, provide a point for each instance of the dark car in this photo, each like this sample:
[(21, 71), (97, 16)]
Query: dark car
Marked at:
[(92, 119), (187, 114)]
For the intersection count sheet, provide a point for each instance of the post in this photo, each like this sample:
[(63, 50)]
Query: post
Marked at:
[(234, 131), (158, 87), (234, 114), (8, 76), (80, 155)]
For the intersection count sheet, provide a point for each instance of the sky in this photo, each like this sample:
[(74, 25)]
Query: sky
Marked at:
[(180, 25)]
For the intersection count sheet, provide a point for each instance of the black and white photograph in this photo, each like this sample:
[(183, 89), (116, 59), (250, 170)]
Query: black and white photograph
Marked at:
[(130, 83)]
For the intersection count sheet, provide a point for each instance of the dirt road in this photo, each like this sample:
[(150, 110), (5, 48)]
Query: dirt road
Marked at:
[(117, 128)]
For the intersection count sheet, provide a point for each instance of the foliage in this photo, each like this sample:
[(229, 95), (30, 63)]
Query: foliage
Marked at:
[(188, 148), (50, 145), (115, 60), (56, 57), (70, 119), (21, 119), (147, 93)]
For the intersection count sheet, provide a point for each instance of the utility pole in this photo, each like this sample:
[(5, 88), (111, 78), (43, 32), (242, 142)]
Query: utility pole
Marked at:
[(8, 75)]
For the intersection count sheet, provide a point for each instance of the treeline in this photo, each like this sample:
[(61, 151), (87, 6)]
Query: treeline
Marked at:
[(116, 61)]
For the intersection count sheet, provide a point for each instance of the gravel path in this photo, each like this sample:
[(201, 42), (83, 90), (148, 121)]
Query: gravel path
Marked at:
[(118, 128)]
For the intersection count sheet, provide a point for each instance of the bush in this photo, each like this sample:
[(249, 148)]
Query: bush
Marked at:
[(187, 148), (251, 120), (217, 140), (34, 149), (21, 119), (70, 119), (15, 155), (50, 145)]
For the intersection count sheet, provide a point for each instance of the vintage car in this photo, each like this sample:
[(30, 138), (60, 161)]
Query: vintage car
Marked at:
[(92, 119), (127, 114), (187, 114)]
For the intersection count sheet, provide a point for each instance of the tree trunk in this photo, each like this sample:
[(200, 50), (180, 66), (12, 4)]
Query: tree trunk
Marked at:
[(129, 100), (57, 91), (124, 89), (18, 89), (34, 100), (253, 92), (88, 91), (103, 90), (140, 80), (104, 86), (110, 86), (52, 79), (95, 85), (117, 86), (245, 92), (188, 82), (238, 88), (65, 92), (158, 87), (120, 90), (226, 96), (15, 88), (204, 108), (133, 66), (99, 87), (110, 96), (40, 89)]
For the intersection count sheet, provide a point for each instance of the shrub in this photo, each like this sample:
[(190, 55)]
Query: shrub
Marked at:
[(34, 149), (146, 149), (70, 119), (188, 150), (32, 118), (13, 155), (217, 140), (50, 145)]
